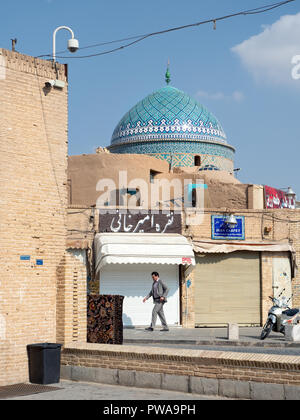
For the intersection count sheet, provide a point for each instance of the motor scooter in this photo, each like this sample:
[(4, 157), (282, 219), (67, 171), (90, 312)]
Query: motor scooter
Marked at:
[(280, 315)]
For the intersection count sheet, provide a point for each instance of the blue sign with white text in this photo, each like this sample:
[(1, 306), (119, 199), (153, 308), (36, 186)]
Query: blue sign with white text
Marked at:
[(221, 230), (25, 257)]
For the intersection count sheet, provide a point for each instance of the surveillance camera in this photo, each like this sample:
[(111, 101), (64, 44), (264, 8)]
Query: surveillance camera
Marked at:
[(49, 84), (59, 84), (73, 45)]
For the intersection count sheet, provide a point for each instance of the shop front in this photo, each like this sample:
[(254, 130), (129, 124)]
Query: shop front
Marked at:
[(124, 263), (229, 281)]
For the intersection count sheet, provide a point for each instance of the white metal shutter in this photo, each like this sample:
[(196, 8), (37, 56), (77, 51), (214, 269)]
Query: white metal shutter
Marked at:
[(227, 289), (134, 281)]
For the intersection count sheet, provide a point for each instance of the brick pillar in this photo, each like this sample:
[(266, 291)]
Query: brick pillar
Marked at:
[(72, 300), (187, 297), (266, 283)]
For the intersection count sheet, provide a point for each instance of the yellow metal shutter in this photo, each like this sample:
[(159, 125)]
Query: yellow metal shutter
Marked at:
[(227, 289)]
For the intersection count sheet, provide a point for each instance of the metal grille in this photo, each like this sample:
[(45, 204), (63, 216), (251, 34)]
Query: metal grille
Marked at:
[(19, 390)]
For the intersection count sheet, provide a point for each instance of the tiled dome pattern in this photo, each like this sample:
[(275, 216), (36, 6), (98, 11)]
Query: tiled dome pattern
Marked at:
[(168, 113), (171, 125)]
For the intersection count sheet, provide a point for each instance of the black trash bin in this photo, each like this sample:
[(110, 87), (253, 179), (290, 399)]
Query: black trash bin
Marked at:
[(44, 363)]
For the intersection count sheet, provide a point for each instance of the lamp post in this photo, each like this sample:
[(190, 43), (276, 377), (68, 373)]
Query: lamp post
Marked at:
[(73, 43), (290, 193), (231, 221)]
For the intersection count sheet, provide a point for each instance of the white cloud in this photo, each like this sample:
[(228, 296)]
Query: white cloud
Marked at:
[(268, 55), (236, 96)]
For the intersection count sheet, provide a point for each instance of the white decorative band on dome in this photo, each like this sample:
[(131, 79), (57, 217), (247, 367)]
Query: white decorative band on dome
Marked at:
[(165, 128), (168, 137), (177, 137)]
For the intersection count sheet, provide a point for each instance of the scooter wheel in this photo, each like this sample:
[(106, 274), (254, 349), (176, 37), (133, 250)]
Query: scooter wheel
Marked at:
[(266, 329)]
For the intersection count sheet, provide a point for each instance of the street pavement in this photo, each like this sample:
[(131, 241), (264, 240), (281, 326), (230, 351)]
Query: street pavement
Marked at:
[(248, 337), (193, 338), (88, 391)]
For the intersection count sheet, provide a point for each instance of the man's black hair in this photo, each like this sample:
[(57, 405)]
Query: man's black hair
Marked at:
[(155, 273)]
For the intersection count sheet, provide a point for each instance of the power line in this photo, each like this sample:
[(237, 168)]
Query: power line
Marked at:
[(139, 38)]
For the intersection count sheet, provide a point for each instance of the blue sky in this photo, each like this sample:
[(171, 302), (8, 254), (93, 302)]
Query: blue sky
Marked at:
[(241, 71)]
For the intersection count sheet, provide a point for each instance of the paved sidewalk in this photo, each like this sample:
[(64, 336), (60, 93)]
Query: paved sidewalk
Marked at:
[(248, 336), (91, 391)]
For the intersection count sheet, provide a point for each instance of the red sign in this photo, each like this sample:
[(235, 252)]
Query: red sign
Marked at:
[(277, 199)]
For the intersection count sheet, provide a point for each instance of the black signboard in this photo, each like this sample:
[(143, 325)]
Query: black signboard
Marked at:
[(160, 222)]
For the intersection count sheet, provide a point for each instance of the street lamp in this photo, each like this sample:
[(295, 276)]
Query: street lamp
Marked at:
[(231, 221), (290, 193), (73, 43)]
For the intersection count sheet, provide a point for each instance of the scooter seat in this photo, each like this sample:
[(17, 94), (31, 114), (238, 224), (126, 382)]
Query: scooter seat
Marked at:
[(291, 312)]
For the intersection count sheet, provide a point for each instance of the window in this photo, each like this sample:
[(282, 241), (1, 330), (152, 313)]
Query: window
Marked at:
[(153, 175), (194, 197), (197, 161)]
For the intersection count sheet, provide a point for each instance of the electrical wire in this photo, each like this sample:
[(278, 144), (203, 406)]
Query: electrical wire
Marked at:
[(139, 38)]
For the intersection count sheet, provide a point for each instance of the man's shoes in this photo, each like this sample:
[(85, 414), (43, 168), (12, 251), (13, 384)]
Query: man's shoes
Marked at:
[(149, 329), (165, 329)]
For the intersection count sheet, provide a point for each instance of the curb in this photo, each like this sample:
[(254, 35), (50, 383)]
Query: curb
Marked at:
[(229, 343), (228, 388)]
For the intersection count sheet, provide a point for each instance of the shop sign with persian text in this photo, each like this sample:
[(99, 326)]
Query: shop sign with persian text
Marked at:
[(160, 222), (221, 229)]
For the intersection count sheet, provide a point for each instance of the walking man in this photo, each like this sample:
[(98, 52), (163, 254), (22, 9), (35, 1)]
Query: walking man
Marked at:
[(159, 293)]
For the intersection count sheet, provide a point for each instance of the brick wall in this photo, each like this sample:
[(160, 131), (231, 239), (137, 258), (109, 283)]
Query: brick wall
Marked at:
[(33, 198), (265, 368)]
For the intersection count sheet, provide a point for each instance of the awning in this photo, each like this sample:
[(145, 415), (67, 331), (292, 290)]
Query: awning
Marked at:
[(142, 248), (206, 246), (209, 246)]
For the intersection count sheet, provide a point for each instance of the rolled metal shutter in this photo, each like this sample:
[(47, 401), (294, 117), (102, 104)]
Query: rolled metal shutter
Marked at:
[(133, 281), (227, 289)]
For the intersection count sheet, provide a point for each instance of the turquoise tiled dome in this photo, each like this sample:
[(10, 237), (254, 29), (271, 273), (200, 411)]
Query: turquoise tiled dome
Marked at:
[(166, 114), (171, 125)]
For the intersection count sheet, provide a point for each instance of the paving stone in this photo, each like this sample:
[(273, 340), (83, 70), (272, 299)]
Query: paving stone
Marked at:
[(65, 372), (148, 380), (106, 376), (263, 391), (127, 377), (81, 373), (292, 392), (206, 386), (234, 389), (175, 383)]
